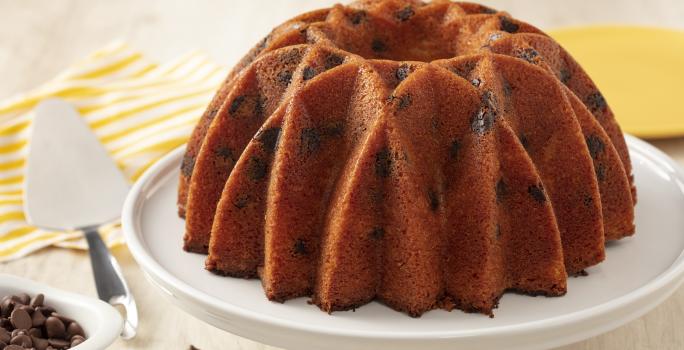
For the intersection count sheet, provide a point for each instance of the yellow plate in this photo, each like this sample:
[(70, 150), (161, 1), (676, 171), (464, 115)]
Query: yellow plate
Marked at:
[(639, 70)]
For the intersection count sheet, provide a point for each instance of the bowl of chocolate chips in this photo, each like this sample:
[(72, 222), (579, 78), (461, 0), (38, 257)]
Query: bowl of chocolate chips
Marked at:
[(39, 317)]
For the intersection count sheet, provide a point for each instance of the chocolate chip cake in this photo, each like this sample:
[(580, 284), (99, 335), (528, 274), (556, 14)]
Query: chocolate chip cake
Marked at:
[(425, 155)]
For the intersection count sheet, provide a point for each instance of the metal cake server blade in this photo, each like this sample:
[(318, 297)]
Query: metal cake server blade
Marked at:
[(71, 183)]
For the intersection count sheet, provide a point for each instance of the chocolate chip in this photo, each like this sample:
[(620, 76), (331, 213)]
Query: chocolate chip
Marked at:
[(595, 145), (377, 233), (58, 343), (76, 341), (269, 138), (38, 300), (524, 141), (378, 45), (187, 165), (46, 310), (433, 200), (241, 202), (54, 327), (487, 10), (528, 54), (565, 76), (383, 163), (596, 102), (235, 105), (310, 141), (537, 193), (300, 247), (600, 171), (24, 299), (507, 88), (35, 332), (225, 152), (507, 25), (256, 169), (74, 329), (403, 101), (39, 343), (454, 148), (308, 73), (404, 14), (22, 340), (501, 190), (17, 332), (284, 77), (5, 335), (21, 319), (463, 70), (402, 72), (357, 17), (38, 319), (333, 61), (13, 347)]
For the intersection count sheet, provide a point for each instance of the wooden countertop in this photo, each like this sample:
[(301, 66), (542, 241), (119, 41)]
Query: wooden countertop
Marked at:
[(40, 38)]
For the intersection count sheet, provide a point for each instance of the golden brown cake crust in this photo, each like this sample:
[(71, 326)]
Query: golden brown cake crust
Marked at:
[(425, 155)]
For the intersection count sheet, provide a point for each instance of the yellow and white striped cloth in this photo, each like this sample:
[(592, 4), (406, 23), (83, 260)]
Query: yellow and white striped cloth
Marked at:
[(138, 109)]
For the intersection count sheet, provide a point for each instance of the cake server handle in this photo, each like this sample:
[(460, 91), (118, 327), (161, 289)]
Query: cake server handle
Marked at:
[(110, 283)]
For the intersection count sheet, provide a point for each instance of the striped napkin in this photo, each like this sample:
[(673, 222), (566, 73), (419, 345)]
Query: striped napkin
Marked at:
[(139, 110)]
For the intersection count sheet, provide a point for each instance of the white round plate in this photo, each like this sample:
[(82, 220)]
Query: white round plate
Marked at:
[(638, 274)]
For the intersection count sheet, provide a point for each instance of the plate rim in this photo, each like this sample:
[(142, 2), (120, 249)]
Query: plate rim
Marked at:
[(673, 274)]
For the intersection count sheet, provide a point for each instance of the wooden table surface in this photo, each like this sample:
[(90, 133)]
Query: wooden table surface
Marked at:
[(39, 38)]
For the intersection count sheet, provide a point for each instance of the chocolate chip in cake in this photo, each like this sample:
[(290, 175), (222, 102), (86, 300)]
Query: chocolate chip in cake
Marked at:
[(378, 45), (225, 153), (404, 14), (256, 169), (600, 170), (300, 247), (383, 163), (507, 25), (501, 190), (235, 104), (524, 141), (537, 193), (269, 138), (241, 202), (377, 233), (596, 102), (357, 17), (308, 73), (595, 145), (454, 148), (464, 69), (564, 76), (433, 200), (284, 77), (487, 10), (402, 102), (528, 54), (310, 140), (333, 61), (402, 72)]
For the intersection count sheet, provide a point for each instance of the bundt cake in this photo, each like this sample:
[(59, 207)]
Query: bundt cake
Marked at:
[(425, 155)]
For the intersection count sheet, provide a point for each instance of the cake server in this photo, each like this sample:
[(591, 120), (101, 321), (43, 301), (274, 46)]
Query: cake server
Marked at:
[(71, 183)]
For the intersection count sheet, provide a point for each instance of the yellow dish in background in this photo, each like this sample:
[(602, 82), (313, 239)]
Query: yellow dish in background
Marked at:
[(639, 70)]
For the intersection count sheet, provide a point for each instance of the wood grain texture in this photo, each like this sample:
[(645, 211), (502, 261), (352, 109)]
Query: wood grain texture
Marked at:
[(40, 38)]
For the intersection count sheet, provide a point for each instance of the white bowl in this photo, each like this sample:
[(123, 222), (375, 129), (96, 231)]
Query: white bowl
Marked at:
[(638, 274), (101, 322)]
